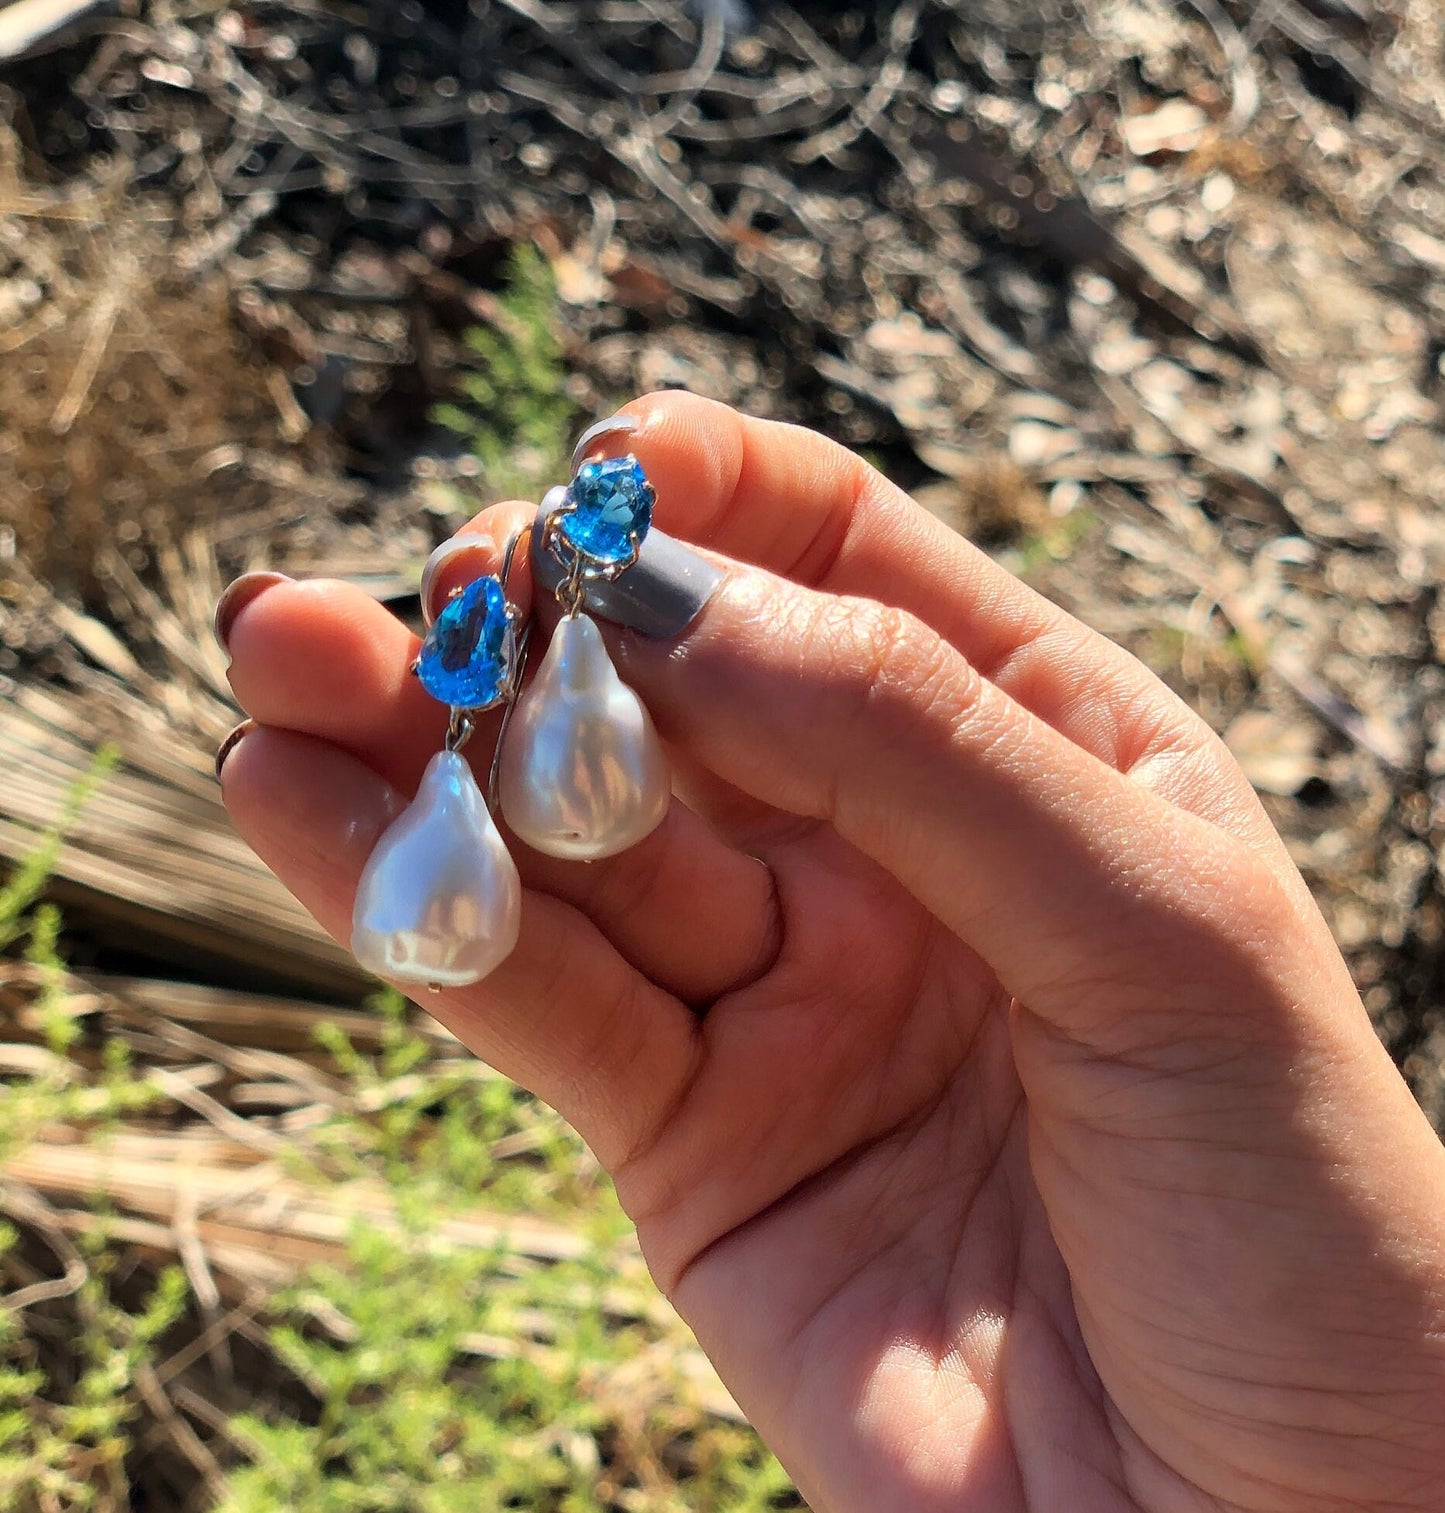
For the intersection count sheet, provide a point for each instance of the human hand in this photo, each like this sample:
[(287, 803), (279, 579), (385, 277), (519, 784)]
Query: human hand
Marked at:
[(985, 1086)]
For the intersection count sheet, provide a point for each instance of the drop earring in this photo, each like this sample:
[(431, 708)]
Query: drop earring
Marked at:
[(582, 772), (439, 901)]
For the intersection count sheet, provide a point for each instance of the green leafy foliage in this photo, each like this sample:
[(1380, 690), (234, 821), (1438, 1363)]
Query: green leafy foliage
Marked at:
[(516, 416), (32, 928), (64, 1436), (470, 1377), (25, 885), (67, 1449)]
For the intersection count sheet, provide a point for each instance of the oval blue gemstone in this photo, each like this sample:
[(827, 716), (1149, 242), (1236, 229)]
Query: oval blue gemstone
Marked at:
[(466, 657), (611, 502)]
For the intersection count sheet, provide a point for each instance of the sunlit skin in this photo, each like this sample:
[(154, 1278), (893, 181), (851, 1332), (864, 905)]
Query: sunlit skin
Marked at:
[(986, 1088)]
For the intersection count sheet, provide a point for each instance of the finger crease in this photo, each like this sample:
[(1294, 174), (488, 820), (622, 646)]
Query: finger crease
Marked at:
[(769, 950)]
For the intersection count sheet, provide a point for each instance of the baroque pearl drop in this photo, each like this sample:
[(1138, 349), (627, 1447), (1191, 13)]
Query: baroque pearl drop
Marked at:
[(439, 900), (582, 770)]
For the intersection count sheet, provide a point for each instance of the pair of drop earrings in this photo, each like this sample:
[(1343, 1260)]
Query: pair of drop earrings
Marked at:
[(578, 770)]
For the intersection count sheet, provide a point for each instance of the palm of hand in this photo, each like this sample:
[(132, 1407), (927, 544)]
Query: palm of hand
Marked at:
[(846, 1203)]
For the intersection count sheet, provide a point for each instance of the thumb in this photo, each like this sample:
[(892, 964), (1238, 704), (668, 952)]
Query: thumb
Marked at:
[(1062, 874)]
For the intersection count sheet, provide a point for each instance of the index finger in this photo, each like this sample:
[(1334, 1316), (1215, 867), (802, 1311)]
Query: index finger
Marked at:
[(800, 505)]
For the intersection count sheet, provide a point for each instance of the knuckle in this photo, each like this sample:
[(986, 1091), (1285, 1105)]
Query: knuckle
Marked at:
[(882, 680), (1263, 894), (1246, 898), (884, 662), (1150, 728)]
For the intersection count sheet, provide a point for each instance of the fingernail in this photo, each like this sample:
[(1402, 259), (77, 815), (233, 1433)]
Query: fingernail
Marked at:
[(614, 425), (236, 597), (660, 595), (466, 541), (232, 741)]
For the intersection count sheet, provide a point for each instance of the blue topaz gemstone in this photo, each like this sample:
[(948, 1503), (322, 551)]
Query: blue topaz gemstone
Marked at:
[(610, 503), (466, 658)]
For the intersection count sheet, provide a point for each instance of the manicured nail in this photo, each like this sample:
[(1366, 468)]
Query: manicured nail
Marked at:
[(236, 597), (466, 541), (661, 594), (614, 425), (232, 741)]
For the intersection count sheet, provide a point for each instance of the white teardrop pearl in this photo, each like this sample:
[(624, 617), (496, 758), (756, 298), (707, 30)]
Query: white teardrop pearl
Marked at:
[(582, 771), (440, 900)]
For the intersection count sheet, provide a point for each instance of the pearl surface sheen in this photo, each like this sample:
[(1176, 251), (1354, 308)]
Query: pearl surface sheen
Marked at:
[(583, 774), (440, 900)]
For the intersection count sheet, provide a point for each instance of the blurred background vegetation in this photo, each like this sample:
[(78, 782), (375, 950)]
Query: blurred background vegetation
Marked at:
[(1146, 296)]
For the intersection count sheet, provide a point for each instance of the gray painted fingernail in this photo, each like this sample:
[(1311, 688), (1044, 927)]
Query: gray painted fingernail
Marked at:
[(464, 541), (614, 425), (660, 595)]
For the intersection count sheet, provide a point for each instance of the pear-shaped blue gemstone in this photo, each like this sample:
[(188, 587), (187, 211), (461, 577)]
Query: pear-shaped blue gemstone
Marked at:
[(466, 657), (611, 502)]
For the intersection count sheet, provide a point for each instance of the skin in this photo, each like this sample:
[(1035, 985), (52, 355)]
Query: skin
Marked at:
[(988, 1092)]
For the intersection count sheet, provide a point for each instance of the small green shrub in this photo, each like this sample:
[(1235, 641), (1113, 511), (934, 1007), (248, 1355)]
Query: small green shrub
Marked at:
[(517, 417), (68, 1449), (25, 885), (63, 1444), (479, 1378)]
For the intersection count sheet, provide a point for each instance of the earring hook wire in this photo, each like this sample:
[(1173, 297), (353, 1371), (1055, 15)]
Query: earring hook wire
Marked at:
[(518, 670)]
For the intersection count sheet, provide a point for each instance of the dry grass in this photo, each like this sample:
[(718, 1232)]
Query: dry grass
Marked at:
[(129, 403), (140, 439)]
